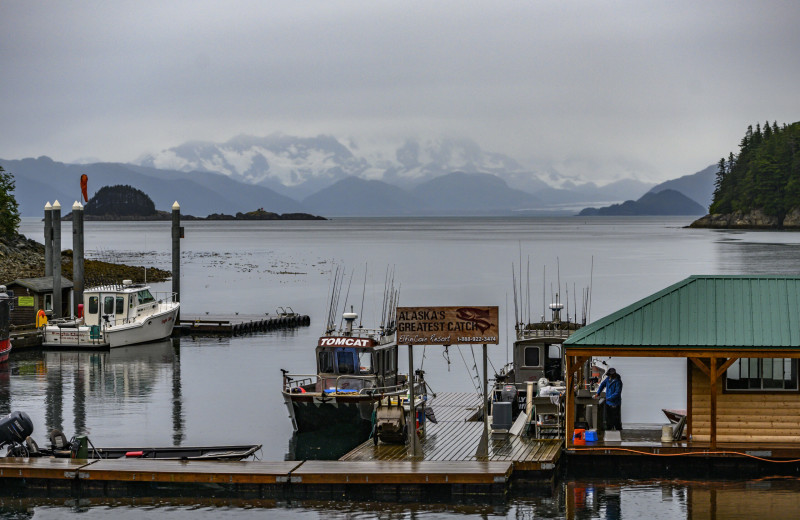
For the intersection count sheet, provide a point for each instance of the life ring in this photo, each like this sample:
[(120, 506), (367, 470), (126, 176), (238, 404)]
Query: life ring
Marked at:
[(41, 318), (298, 390)]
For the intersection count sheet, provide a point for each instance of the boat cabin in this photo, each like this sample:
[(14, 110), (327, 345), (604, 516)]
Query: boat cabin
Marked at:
[(740, 336), (355, 363), (115, 304)]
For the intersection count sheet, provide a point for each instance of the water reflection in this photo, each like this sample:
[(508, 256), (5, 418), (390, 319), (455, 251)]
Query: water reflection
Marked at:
[(5, 393), (745, 253), (89, 382), (322, 445)]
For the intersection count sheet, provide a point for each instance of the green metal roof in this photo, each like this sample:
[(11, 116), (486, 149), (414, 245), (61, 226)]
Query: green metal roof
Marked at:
[(705, 311)]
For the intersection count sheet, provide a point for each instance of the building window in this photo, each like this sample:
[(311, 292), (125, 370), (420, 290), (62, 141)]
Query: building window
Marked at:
[(532, 357), (762, 374), (48, 302)]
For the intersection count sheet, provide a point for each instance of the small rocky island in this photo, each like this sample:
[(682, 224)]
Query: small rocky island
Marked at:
[(760, 187), (123, 202), (666, 202)]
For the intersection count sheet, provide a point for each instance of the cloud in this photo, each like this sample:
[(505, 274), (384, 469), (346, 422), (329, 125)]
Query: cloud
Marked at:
[(663, 88)]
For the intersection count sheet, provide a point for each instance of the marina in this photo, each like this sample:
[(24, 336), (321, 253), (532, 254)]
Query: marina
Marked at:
[(170, 383)]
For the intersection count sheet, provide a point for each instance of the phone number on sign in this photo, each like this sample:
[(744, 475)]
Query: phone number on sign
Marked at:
[(478, 339)]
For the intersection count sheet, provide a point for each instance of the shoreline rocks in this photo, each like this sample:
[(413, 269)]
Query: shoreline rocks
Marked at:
[(22, 257), (755, 219)]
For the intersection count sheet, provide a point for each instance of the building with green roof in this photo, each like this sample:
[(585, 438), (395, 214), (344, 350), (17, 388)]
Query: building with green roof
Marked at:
[(741, 338)]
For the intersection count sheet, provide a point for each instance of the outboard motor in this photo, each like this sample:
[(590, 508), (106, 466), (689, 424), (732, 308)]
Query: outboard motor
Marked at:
[(508, 394), (15, 427)]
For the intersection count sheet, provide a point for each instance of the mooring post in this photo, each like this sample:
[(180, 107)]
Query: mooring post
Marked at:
[(77, 256), (411, 424), (176, 255), (48, 239), (483, 445), (56, 259)]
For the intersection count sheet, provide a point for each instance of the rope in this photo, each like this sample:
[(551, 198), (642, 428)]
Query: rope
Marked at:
[(639, 452), (477, 386)]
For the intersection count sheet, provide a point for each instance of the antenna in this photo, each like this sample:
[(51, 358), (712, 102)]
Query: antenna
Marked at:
[(514, 286), (347, 295), (528, 283), (591, 277), (544, 291), (363, 293)]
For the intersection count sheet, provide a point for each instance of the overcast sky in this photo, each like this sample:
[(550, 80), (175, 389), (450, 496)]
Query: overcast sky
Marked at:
[(597, 88)]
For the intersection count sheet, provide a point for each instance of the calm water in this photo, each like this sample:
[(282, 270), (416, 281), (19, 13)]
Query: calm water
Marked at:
[(226, 390)]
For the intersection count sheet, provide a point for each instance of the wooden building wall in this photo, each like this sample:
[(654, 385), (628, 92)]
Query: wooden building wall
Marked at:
[(743, 417)]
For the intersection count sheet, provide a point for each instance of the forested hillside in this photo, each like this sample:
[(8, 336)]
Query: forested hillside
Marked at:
[(764, 176)]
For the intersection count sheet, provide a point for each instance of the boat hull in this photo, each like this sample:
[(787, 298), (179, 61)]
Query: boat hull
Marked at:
[(152, 328), (5, 349), (320, 412), (155, 327)]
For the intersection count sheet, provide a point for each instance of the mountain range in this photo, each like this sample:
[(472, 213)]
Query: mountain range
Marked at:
[(324, 176)]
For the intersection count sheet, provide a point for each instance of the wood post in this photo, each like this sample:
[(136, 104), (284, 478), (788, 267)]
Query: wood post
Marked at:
[(570, 408), (712, 365), (77, 257), (483, 445), (48, 240), (56, 219), (176, 254), (411, 424)]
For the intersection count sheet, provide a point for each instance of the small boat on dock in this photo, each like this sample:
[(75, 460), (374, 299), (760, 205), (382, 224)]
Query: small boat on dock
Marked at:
[(16, 430), (116, 316)]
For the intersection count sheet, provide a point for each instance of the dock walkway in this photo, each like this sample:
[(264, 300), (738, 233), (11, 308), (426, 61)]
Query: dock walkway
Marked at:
[(387, 480), (455, 437)]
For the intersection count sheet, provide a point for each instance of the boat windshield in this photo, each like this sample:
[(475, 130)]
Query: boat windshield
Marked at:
[(345, 361), (144, 296)]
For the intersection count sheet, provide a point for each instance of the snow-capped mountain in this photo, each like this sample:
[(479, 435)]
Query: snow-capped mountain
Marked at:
[(300, 166)]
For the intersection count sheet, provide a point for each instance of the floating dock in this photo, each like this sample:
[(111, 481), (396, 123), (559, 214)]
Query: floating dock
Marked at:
[(238, 325), (447, 470), (385, 480)]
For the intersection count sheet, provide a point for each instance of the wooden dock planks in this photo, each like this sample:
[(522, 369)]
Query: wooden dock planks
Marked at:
[(402, 472), (455, 439), (139, 470)]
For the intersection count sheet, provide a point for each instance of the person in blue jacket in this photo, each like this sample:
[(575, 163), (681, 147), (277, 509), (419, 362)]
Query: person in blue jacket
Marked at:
[(612, 384)]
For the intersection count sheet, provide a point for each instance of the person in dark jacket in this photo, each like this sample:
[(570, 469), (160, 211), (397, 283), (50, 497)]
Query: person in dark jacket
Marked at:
[(612, 384)]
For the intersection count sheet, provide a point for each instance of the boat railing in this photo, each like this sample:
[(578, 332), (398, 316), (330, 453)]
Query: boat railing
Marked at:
[(291, 381), (165, 297), (543, 333), (385, 390)]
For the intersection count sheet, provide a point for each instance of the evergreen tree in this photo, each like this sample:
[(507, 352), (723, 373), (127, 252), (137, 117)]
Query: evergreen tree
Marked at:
[(9, 210), (765, 175)]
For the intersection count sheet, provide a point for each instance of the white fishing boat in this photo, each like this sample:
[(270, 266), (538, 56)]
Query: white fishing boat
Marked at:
[(116, 316)]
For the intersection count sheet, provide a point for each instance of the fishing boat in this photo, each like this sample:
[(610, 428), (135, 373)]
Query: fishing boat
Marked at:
[(116, 316), (537, 369), (356, 367), (5, 325)]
